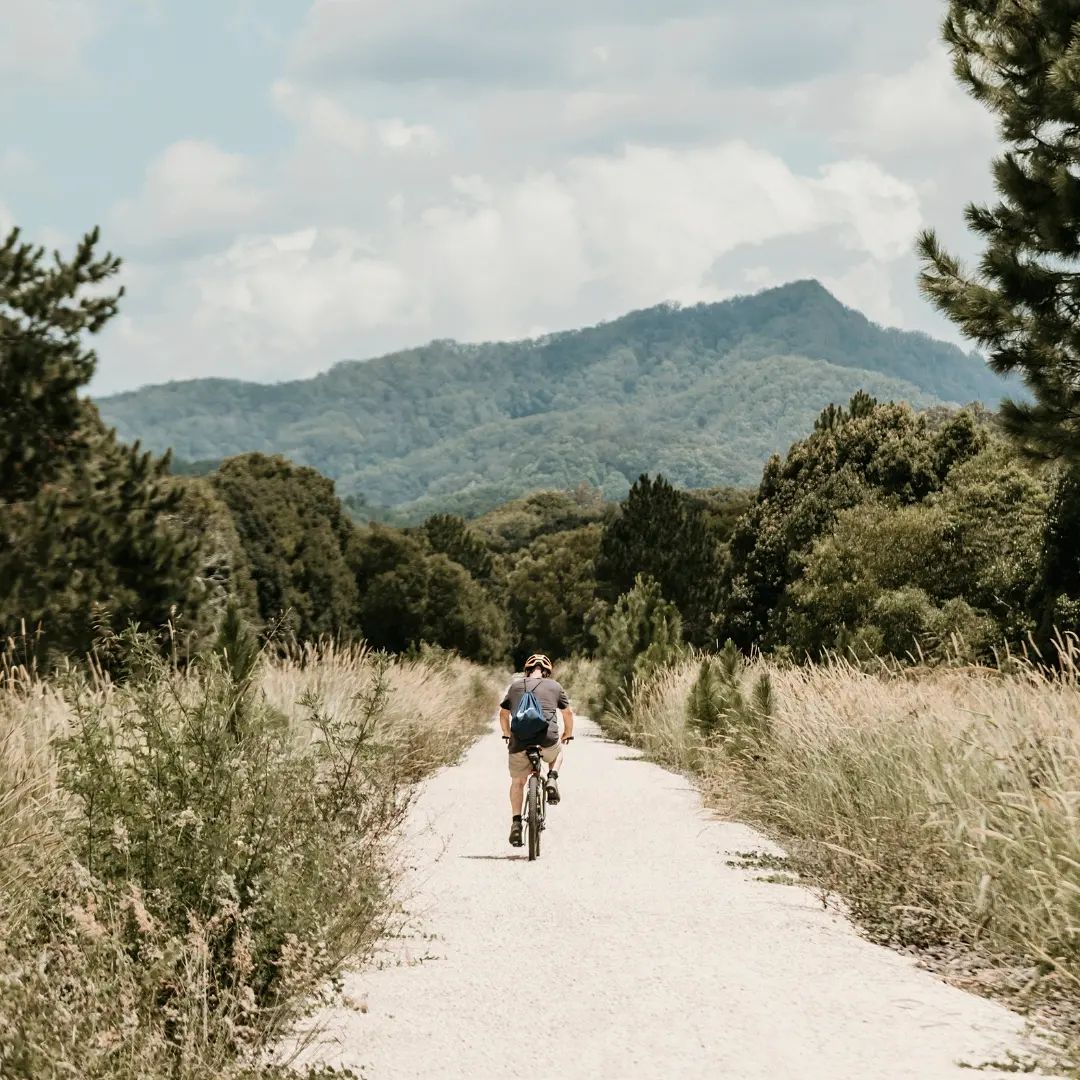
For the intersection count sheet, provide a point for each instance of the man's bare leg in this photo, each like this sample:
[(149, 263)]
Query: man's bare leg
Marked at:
[(517, 794), (517, 786)]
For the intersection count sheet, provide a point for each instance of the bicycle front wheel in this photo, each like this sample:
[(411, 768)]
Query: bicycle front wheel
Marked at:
[(532, 807)]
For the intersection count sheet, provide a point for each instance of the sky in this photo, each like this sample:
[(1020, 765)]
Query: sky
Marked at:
[(292, 183)]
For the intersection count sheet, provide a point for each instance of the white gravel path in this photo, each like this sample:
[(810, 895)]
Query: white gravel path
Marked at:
[(631, 949)]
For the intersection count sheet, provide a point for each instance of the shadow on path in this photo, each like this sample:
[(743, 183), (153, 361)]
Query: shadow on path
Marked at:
[(496, 858)]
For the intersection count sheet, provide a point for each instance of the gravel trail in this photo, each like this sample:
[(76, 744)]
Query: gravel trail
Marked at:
[(631, 949)]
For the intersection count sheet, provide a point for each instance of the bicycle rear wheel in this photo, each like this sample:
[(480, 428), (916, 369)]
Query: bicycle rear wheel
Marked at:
[(532, 809)]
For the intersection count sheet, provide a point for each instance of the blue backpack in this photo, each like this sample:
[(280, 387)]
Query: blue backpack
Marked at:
[(528, 724)]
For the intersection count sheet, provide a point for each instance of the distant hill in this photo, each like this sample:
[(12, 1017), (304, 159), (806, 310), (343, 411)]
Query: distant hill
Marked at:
[(702, 394)]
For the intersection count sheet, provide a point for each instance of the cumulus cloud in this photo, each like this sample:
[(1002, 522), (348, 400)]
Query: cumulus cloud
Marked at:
[(321, 118), (919, 108), (397, 135), (193, 192), (479, 169), (879, 214)]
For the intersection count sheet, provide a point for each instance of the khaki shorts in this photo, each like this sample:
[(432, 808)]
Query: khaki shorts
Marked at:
[(519, 762)]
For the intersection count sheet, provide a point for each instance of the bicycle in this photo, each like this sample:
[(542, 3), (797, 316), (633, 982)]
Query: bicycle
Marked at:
[(534, 812), (534, 818)]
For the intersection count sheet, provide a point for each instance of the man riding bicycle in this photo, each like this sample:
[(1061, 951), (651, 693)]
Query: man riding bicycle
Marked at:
[(553, 700)]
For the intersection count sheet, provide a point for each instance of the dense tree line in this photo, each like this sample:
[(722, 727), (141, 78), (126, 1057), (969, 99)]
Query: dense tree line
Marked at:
[(883, 531)]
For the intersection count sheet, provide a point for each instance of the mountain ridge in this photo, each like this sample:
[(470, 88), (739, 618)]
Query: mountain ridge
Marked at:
[(704, 393)]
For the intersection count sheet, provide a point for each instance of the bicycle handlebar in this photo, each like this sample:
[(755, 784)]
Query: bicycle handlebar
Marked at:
[(506, 739)]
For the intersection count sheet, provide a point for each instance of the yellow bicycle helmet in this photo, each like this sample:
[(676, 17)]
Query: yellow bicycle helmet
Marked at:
[(538, 660)]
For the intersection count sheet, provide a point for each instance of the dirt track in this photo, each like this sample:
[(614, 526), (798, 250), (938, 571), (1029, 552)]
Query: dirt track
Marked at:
[(631, 949)]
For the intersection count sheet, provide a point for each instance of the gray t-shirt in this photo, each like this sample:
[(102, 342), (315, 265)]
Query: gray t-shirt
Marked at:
[(551, 697)]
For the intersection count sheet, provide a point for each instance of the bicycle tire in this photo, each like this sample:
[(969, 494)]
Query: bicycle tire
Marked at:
[(533, 809)]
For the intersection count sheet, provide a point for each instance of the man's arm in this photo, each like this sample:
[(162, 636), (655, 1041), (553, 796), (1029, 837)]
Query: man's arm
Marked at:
[(504, 722), (568, 724)]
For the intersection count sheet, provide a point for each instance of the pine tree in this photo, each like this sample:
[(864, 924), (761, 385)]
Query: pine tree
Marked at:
[(664, 534), (45, 311), (719, 709), (86, 536), (1021, 59), (641, 634)]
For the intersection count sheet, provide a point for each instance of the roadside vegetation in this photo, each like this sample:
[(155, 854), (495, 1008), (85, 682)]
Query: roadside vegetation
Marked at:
[(190, 855), (939, 806)]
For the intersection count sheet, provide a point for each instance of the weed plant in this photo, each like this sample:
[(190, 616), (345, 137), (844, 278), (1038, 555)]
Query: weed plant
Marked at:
[(190, 856)]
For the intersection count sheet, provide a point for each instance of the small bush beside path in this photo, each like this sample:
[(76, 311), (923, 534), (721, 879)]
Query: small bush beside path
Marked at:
[(188, 857)]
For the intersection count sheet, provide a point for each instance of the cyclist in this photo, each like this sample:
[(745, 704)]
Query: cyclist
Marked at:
[(553, 700)]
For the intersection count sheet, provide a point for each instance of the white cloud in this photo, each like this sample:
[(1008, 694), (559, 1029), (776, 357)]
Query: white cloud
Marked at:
[(498, 258), (866, 286), (919, 108), (321, 118), (193, 191), (880, 213), (396, 135), (543, 166), (288, 292), (45, 39), (324, 121)]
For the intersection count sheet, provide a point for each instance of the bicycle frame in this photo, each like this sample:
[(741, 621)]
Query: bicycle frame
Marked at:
[(536, 790)]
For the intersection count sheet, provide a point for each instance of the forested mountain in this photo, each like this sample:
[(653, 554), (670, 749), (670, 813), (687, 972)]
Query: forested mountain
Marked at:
[(702, 394)]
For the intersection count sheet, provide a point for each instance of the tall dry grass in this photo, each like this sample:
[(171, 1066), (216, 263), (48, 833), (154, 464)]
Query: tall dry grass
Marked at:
[(437, 704), (579, 676), (942, 804), (187, 857)]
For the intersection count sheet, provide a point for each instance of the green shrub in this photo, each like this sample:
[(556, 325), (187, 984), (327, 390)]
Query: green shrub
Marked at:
[(720, 710), (641, 634)]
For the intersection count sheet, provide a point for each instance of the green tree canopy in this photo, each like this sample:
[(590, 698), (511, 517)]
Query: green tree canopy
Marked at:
[(664, 535), (550, 592), (410, 595), (297, 539), (1058, 589), (517, 524), (864, 451), (449, 534)]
